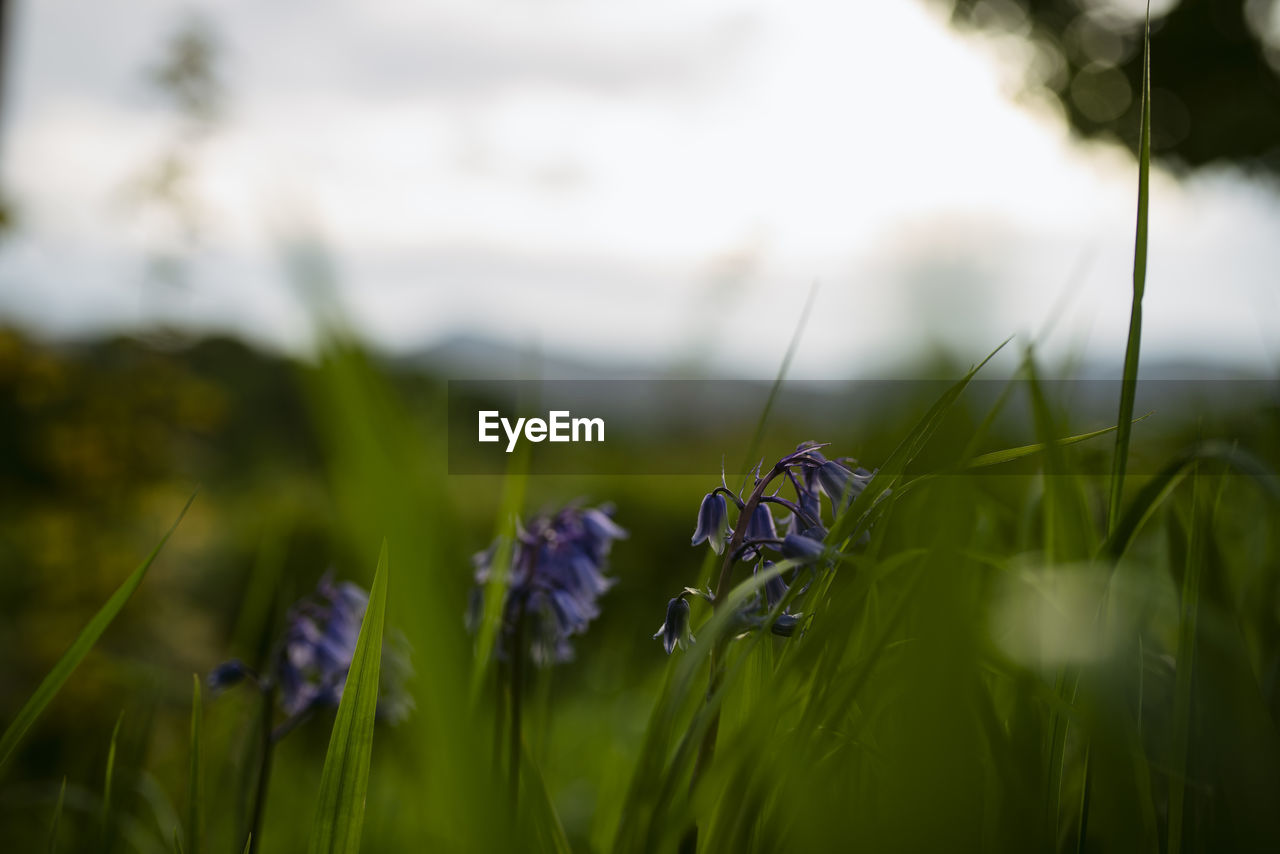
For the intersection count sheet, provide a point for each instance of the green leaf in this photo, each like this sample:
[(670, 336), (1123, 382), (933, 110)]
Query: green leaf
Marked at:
[(195, 779), (79, 648), (344, 782), (1129, 385)]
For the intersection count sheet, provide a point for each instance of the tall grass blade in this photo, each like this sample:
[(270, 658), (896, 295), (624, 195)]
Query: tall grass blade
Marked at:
[(1129, 384), (79, 648), (344, 782), (852, 519), (757, 437), (547, 828), (57, 817), (195, 778), (104, 817), (1185, 666), (495, 589)]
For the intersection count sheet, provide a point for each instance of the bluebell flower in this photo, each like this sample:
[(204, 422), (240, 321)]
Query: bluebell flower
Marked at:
[(674, 631), (775, 588), (842, 483), (319, 643), (755, 531), (555, 578), (799, 547), (713, 522), (785, 625), (310, 664), (229, 673)]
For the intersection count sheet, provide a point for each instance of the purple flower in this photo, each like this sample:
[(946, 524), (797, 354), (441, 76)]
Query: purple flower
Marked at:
[(842, 483), (775, 588), (810, 476), (555, 578), (230, 673), (319, 643), (802, 548), (713, 522), (674, 631), (311, 661)]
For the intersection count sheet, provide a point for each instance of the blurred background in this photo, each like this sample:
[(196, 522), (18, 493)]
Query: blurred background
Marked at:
[(646, 183), (490, 189)]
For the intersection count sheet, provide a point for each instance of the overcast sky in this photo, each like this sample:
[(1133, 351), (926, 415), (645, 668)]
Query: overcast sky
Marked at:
[(649, 182)]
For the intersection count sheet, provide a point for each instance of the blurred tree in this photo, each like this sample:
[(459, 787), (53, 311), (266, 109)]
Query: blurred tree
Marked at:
[(188, 78), (6, 204), (1215, 70)]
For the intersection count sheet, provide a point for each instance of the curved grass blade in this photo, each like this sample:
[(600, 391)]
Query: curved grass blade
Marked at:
[(57, 817), (344, 782), (195, 780), (79, 648), (1129, 384), (1006, 455), (851, 520), (1155, 491)]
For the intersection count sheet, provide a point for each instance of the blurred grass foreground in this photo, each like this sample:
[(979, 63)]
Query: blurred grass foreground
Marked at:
[(963, 640)]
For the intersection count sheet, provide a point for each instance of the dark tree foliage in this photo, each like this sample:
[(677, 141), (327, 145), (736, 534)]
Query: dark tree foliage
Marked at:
[(1215, 67)]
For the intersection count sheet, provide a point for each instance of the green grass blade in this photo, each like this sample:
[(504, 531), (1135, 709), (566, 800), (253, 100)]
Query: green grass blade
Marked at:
[(79, 648), (195, 779), (57, 817), (753, 447), (495, 589), (1129, 384), (850, 520), (1190, 601), (547, 828), (1006, 455), (104, 817), (344, 782), (1159, 487)]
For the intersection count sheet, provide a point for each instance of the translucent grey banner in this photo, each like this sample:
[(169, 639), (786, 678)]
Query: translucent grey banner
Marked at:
[(670, 427)]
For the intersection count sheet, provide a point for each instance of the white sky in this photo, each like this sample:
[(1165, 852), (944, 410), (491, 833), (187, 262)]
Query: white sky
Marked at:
[(652, 181)]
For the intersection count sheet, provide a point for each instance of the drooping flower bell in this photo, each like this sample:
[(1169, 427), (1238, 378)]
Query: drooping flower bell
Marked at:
[(674, 631), (713, 522), (555, 577)]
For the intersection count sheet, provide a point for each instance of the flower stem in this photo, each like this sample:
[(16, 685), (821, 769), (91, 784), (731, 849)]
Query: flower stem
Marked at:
[(264, 772), (518, 656), (707, 749)]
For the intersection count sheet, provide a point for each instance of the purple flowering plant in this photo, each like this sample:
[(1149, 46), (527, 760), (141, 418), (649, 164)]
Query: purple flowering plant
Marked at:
[(307, 671), (309, 665), (821, 489), (554, 579), (551, 575)]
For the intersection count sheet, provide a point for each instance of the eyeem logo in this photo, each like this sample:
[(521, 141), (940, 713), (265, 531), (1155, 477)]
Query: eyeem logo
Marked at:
[(558, 427)]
